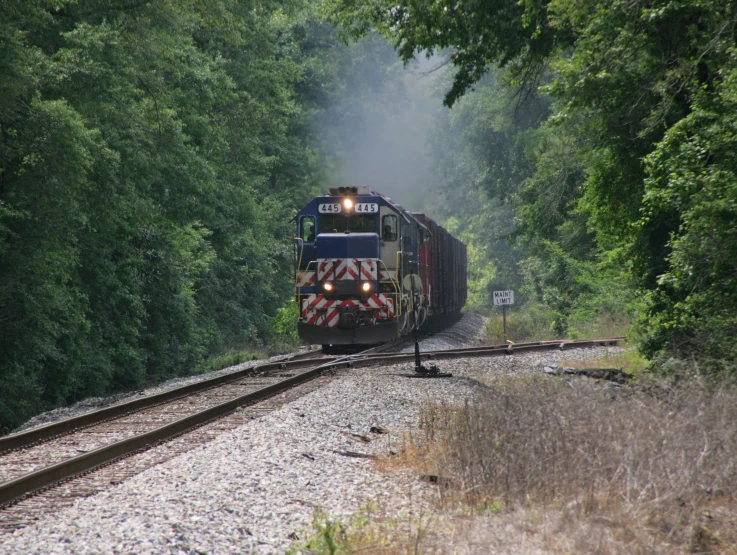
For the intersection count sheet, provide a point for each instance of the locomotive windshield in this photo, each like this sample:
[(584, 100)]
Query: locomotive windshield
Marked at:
[(337, 223), (363, 223), (333, 223)]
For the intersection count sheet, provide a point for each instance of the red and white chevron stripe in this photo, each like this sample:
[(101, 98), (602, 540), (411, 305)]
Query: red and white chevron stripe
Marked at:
[(367, 269), (385, 303), (318, 310), (346, 268), (306, 278), (325, 269)]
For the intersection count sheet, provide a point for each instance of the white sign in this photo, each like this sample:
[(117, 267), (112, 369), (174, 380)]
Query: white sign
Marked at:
[(367, 208), (503, 297), (329, 208)]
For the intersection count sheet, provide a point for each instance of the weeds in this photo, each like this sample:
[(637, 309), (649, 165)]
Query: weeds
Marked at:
[(330, 538), (652, 469), (532, 322), (630, 361), (368, 531), (231, 359)]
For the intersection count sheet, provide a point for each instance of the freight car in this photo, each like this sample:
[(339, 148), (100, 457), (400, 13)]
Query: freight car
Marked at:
[(368, 271)]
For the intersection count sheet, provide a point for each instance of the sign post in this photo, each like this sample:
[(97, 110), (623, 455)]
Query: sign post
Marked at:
[(504, 298), (504, 316)]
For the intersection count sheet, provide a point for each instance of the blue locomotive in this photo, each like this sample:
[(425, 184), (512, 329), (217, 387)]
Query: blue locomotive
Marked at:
[(368, 271)]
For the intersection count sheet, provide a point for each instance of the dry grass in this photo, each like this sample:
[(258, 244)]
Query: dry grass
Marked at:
[(534, 465), (643, 473)]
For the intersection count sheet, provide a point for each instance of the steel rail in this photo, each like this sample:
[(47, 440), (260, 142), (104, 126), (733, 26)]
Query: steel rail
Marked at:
[(27, 484), (519, 348), (18, 488), (493, 350), (35, 435), (555, 343)]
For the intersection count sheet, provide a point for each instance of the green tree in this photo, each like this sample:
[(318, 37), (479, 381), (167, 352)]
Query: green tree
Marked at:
[(628, 81), (151, 156), (693, 173)]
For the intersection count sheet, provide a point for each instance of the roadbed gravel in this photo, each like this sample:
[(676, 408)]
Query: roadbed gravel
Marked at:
[(257, 488), (95, 403)]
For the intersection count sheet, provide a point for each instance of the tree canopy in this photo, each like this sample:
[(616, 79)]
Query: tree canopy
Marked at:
[(152, 154), (636, 153)]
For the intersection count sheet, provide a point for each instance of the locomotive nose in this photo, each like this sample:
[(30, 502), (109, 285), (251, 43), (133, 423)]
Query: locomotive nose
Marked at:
[(347, 245)]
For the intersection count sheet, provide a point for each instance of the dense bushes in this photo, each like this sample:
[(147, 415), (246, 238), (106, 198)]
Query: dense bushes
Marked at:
[(142, 188), (693, 174)]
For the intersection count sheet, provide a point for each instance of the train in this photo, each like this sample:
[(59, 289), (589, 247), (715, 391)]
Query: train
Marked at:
[(367, 271)]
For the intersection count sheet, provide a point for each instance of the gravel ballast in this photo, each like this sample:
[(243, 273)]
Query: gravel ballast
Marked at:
[(96, 403), (255, 489)]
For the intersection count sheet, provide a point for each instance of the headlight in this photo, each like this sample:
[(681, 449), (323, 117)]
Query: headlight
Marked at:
[(348, 203), (366, 287), (327, 286)]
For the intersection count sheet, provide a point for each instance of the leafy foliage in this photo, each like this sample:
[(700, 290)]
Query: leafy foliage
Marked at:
[(151, 156), (693, 173), (480, 33), (628, 184)]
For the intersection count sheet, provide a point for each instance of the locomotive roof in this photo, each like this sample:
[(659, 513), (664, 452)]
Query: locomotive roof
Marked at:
[(359, 194)]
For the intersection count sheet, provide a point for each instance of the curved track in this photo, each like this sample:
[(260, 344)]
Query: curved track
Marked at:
[(44, 461)]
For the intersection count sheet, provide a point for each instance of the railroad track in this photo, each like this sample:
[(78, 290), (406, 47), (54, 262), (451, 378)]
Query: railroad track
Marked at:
[(53, 464), (493, 350)]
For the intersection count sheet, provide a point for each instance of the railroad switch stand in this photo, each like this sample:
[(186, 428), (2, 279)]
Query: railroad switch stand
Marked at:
[(429, 371)]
